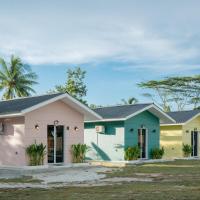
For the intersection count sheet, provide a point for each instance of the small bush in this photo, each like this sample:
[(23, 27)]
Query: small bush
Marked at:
[(187, 150), (132, 153), (36, 153), (157, 153), (78, 152)]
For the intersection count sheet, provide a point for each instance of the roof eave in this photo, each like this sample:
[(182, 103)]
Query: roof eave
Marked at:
[(19, 114), (60, 97)]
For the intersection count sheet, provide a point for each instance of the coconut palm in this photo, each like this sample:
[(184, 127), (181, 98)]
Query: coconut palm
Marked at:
[(131, 100), (16, 78)]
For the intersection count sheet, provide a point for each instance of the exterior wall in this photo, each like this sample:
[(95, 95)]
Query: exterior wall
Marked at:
[(171, 139), (111, 145), (150, 122), (46, 115), (12, 142), (108, 146), (191, 126)]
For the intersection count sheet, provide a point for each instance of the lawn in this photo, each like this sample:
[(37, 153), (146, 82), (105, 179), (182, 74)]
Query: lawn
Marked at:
[(172, 180)]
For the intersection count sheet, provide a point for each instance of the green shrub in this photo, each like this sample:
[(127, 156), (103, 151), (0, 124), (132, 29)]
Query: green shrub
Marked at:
[(157, 153), (187, 150), (36, 153), (132, 153), (78, 152)]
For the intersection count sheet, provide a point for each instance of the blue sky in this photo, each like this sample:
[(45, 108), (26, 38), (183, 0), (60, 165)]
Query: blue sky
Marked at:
[(119, 43)]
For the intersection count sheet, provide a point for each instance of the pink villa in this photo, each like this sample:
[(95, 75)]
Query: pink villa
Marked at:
[(24, 121)]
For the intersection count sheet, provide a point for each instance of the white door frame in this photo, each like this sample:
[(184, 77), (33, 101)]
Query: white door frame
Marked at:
[(146, 142), (195, 131)]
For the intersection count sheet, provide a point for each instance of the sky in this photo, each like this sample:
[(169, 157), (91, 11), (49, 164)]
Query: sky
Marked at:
[(119, 43)]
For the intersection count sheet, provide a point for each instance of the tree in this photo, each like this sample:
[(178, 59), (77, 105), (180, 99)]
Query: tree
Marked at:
[(131, 100), (16, 78), (74, 85), (94, 106), (176, 92), (161, 92)]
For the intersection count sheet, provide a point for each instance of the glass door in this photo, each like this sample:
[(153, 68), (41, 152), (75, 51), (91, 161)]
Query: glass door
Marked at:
[(194, 143), (142, 142), (59, 143)]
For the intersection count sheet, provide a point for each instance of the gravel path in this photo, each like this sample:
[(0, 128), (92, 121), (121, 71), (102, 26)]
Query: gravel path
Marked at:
[(61, 177)]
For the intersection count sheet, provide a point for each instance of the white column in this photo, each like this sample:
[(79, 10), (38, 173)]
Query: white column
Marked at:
[(54, 137)]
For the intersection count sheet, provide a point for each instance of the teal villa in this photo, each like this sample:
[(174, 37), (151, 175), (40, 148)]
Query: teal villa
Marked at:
[(124, 126)]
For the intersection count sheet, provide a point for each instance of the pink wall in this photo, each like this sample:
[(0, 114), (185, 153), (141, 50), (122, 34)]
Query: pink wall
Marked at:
[(46, 115), (20, 132), (12, 142)]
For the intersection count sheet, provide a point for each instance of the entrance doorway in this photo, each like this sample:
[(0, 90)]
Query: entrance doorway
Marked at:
[(142, 142), (194, 143), (59, 143)]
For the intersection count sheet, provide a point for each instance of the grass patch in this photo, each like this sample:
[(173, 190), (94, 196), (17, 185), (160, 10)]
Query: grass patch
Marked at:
[(172, 180)]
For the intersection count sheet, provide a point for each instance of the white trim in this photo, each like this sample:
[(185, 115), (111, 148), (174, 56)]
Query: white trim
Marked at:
[(197, 115), (146, 142), (175, 124), (148, 107), (62, 96), (136, 113), (165, 114), (107, 120), (11, 115), (193, 131), (189, 120)]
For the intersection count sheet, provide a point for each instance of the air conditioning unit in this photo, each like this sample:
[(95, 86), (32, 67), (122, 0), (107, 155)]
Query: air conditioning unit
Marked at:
[(1, 128), (100, 129)]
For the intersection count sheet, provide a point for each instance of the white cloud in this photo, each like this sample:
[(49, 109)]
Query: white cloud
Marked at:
[(126, 32)]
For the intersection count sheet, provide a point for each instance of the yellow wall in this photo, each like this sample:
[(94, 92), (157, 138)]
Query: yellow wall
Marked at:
[(173, 137), (190, 126), (171, 140)]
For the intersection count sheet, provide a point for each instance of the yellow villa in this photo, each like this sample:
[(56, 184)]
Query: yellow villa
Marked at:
[(185, 131)]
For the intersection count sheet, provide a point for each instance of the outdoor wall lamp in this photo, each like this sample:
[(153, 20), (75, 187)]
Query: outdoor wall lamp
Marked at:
[(131, 130), (142, 126), (67, 128), (56, 122), (187, 131), (37, 127), (76, 128), (154, 130)]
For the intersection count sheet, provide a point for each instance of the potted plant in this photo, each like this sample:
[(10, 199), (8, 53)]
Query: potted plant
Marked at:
[(132, 153), (157, 153), (187, 150)]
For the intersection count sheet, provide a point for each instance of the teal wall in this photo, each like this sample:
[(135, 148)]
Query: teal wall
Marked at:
[(105, 152), (149, 121)]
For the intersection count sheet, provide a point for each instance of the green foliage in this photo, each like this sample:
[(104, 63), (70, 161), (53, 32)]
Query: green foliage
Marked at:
[(16, 78), (94, 106), (78, 152), (74, 85), (132, 153), (157, 153), (187, 150), (131, 100), (36, 153), (178, 91)]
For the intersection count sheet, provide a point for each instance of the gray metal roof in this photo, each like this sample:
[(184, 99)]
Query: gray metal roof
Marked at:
[(17, 105), (123, 111), (183, 116)]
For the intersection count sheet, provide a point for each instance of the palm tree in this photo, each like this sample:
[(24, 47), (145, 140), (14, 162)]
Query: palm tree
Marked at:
[(131, 100), (16, 78)]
